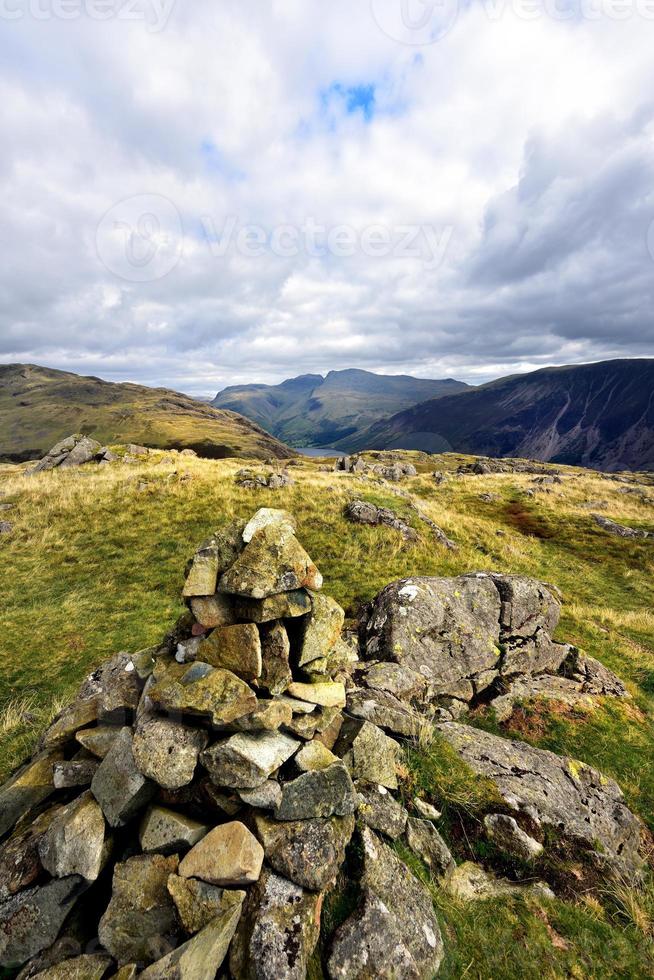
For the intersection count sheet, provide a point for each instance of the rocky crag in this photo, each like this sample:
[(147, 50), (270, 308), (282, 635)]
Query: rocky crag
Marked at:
[(188, 813)]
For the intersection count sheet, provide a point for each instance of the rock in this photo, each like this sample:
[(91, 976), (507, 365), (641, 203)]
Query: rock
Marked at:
[(307, 852), (386, 711), (197, 902), (508, 836), (330, 694), (274, 561), (110, 694), (228, 855), (368, 753), (297, 706), (77, 772), (322, 630), (620, 530), (362, 512), (369, 946), (469, 883), (139, 923), (212, 557), (322, 793), (284, 605), (425, 809), (98, 740), (6, 527), (394, 925), (213, 610), (399, 680), (265, 797), (86, 967), (203, 691), (20, 864), (275, 652), (118, 785), (581, 806), (201, 957), (266, 516), (314, 755), (73, 451), (74, 716), (245, 761), (167, 752), (278, 931), (168, 832), (203, 575), (268, 717), (425, 841), (27, 789), (235, 648), (380, 811), (30, 921), (74, 844), (593, 676)]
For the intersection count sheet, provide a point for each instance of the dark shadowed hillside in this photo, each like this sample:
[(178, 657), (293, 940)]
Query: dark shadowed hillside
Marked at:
[(316, 411), (39, 406), (599, 415)]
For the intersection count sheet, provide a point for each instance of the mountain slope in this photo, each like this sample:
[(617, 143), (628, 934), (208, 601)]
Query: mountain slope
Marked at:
[(312, 410), (39, 406), (599, 415)]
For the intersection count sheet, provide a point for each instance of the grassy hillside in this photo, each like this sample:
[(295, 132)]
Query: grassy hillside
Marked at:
[(598, 415), (331, 411), (95, 562), (39, 406)]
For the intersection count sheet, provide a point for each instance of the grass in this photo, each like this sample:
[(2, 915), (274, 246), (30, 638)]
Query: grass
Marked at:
[(94, 565)]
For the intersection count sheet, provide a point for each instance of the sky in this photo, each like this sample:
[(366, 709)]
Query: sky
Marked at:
[(212, 192)]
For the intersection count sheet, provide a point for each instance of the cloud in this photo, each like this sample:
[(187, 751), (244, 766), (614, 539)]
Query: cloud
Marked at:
[(469, 207)]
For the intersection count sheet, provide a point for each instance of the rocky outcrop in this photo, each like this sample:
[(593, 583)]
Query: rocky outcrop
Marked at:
[(73, 451), (620, 530)]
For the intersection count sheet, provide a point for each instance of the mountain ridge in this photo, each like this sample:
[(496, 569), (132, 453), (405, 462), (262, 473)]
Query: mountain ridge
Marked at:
[(317, 410), (39, 406)]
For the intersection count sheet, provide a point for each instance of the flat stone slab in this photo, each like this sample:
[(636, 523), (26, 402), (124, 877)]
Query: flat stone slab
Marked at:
[(201, 690), (119, 786), (30, 921), (229, 855), (245, 761)]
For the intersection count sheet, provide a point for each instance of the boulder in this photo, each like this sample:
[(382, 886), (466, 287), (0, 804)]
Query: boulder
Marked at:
[(197, 902), (276, 673), (278, 931), (235, 648), (30, 921), (284, 605), (74, 843), (273, 561), (245, 761), (307, 852), (620, 530), (166, 751), (75, 450), (578, 805), (362, 512), (119, 786), (470, 883), (169, 832), (380, 811), (139, 924), (314, 755), (370, 946), (269, 716), (322, 630), (228, 855), (98, 740), (266, 516), (321, 793), (203, 691), (213, 610), (212, 557), (202, 956), (508, 836)]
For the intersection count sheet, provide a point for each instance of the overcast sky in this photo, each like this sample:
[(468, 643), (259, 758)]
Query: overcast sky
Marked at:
[(207, 192)]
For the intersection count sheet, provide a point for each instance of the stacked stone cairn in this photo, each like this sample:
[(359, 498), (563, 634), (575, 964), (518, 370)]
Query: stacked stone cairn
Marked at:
[(186, 815)]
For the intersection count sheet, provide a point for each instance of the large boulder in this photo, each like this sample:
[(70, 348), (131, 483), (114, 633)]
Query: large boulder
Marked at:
[(75, 450), (566, 802), (30, 921)]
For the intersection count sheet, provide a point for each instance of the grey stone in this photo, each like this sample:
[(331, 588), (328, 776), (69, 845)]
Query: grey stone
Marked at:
[(228, 855), (268, 796), (168, 832), (275, 653), (307, 852), (380, 811), (505, 832), (30, 921), (139, 924), (118, 785), (198, 902), (245, 761), (384, 710), (202, 691), (273, 561), (425, 841), (278, 931), (620, 530), (167, 751), (470, 883), (77, 772), (89, 966), (362, 512), (202, 956), (322, 629), (74, 843), (25, 791), (368, 753), (370, 946), (284, 605), (98, 740), (322, 793)]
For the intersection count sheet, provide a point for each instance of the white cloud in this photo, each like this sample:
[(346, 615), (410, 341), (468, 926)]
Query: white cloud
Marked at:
[(528, 140)]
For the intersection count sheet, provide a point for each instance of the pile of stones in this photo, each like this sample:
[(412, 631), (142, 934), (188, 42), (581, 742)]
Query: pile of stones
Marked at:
[(251, 479), (78, 450), (189, 812), (394, 471)]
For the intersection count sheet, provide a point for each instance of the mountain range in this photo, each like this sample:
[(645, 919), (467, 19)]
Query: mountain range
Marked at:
[(597, 415), (39, 406), (312, 410)]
